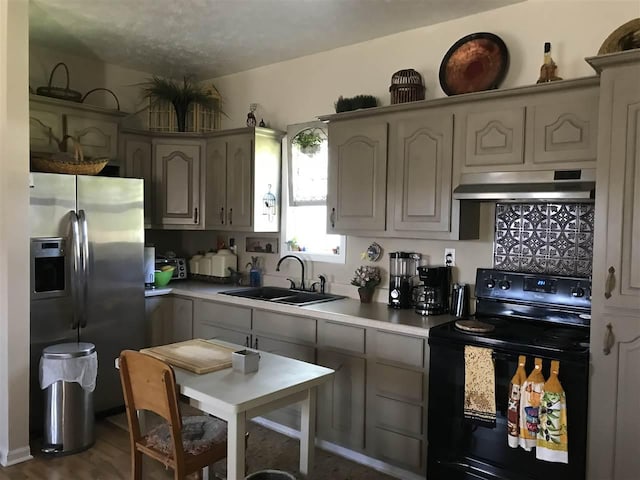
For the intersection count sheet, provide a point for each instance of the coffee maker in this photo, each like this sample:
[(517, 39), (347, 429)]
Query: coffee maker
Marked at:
[(431, 297), (402, 273)]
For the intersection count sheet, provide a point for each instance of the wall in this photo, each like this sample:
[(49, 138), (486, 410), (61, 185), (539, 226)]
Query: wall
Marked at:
[(86, 74), (298, 90), (14, 230)]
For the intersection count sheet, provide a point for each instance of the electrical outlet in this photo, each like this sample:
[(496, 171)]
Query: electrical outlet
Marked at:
[(450, 257)]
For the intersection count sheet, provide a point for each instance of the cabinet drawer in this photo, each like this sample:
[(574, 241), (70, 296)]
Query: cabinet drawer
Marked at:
[(398, 415), (399, 383), (340, 336), (286, 349), (400, 348), (208, 332), (289, 326), (398, 448), (221, 314)]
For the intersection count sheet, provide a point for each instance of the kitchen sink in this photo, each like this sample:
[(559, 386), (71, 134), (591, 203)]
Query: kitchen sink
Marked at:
[(283, 295)]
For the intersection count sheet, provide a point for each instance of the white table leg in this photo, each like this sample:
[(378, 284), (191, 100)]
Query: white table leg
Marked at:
[(236, 430), (308, 432)]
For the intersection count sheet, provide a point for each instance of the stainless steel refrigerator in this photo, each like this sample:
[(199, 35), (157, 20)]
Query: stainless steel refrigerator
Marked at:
[(87, 278)]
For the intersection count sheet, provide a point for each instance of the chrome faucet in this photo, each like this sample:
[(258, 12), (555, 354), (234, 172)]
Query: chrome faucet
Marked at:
[(301, 266)]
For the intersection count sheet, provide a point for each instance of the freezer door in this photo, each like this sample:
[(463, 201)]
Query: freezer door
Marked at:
[(111, 215), (51, 197)]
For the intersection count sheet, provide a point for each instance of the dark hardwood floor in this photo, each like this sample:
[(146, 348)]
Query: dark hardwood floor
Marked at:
[(109, 459)]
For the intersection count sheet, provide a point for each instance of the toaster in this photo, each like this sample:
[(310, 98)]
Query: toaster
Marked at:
[(180, 272)]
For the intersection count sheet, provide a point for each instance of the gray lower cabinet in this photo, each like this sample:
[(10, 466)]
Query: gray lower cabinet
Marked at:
[(341, 401), (375, 403), (168, 319), (158, 314), (224, 322), (396, 400)]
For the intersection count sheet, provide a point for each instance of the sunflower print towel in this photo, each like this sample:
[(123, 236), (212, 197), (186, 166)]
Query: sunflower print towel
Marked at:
[(552, 441), (479, 385)]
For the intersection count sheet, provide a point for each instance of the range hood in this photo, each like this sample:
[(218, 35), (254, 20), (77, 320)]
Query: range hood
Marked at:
[(543, 185)]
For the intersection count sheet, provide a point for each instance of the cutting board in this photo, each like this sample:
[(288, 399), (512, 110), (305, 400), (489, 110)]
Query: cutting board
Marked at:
[(197, 355)]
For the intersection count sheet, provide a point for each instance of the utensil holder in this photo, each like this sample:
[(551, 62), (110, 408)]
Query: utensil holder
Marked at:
[(245, 361)]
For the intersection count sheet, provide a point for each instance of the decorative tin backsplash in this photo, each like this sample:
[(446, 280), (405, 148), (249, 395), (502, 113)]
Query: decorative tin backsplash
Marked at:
[(555, 238)]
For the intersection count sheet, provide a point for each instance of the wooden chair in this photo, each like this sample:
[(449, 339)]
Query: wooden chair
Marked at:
[(150, 384)]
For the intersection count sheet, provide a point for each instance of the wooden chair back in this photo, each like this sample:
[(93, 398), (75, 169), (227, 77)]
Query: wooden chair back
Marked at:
[(150, 384)]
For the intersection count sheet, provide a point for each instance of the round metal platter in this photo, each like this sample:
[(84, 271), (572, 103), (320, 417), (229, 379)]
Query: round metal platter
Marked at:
[(474, 63)]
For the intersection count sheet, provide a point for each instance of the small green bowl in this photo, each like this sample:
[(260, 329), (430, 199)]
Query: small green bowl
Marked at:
[(163, 278)]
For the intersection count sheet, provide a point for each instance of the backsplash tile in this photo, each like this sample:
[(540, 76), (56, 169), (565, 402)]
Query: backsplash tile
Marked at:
[(555, 238)]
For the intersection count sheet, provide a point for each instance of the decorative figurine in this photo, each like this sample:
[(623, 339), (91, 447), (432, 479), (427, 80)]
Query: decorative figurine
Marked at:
[(251, 118)]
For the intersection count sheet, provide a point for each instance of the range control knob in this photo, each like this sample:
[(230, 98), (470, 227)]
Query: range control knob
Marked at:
[(505, 284), (490, 283), (577, 292)]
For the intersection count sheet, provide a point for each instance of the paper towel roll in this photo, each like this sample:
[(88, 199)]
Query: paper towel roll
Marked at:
[(149, 266)]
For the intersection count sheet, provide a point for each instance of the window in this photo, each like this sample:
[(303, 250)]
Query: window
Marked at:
[(305, 196)]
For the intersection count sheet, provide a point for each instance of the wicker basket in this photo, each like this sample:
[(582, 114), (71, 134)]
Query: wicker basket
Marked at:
[(406, 86), (69, 163)]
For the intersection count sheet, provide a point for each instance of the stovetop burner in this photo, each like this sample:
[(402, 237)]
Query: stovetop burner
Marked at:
[(474, 326)]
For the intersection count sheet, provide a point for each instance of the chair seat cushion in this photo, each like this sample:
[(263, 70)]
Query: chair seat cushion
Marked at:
[(199, 434)]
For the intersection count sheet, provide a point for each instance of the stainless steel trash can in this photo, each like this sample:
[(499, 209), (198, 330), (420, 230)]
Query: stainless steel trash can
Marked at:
[(68, 414)]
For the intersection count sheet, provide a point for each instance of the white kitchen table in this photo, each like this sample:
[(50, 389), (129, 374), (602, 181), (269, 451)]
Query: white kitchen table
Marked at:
[(236, 397)]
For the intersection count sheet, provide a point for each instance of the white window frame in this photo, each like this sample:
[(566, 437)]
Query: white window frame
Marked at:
[(339, 258)]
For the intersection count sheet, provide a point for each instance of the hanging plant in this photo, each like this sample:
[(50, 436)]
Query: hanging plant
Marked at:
[(180, 94), (308, 141)]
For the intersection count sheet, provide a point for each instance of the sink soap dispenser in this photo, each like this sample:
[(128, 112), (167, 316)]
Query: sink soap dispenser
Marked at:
[(255, 275)]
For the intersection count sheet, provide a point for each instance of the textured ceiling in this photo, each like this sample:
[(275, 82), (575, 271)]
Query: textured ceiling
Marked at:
[(210, 38)]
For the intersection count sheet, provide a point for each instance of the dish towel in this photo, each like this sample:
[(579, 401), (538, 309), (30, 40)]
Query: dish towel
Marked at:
[(479, 385), (530, 396), (552, 441), (513, 409)]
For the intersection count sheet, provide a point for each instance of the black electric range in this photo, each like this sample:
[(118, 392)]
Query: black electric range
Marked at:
[(516, 314)]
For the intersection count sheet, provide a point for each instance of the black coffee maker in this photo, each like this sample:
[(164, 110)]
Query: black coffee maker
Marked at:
[(431, 297)]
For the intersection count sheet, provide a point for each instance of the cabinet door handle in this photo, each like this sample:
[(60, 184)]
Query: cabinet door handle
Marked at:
[(222, 217), (246, 342), (609, 339), (195, 215), (333, 218), (610, 283), (256, 342), (231, 216)]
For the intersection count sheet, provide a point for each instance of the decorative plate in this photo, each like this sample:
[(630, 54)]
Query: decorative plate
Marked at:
[(474, 63), (625, 37)]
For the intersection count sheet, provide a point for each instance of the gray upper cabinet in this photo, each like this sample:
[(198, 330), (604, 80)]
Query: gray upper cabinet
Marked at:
[(548, 126), (615, 309), (95, 128), (176, 170), (420, 171), (242, 167), (356, 197), (494, 138), (137, 155)]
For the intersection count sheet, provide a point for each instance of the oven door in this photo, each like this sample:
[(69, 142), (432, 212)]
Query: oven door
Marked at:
[(461, 449)]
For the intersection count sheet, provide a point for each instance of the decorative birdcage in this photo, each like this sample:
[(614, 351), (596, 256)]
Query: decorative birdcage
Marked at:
[(406, 86), (200, 119), (269, 204)]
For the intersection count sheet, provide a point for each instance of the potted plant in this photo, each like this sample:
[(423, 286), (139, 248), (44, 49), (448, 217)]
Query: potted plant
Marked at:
[(308, 141), (366, 279), (180, 94)]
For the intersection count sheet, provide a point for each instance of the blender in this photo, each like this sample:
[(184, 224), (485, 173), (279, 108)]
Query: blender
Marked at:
[(402, 270)]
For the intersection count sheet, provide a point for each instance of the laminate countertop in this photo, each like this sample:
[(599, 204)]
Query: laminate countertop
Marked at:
[(347, 310)]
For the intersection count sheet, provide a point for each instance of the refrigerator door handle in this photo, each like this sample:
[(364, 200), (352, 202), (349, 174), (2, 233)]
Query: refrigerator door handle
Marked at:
[(76, 269), (84, 247)]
